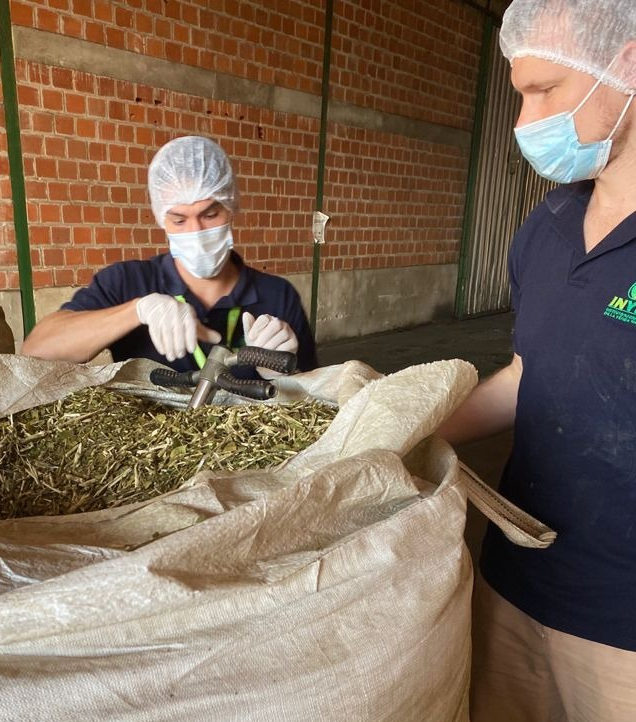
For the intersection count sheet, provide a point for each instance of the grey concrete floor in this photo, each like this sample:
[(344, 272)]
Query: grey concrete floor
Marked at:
[(485, 341)]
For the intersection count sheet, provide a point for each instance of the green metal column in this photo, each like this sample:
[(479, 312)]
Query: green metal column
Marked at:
[(16, 170), (480, 106), (322, 149)]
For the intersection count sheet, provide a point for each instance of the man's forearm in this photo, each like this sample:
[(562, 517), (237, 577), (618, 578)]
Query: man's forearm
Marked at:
[(80, 335), (490, 408)]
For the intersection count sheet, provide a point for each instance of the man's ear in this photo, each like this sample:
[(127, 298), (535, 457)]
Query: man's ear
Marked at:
[(626, 65)]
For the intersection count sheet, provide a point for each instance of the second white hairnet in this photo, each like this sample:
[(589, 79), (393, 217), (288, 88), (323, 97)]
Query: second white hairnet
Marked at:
[(586, 35), (187, 170)]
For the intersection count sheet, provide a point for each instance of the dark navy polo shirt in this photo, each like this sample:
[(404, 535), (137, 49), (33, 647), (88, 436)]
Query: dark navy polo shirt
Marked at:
[(254, 291), (573, 464)]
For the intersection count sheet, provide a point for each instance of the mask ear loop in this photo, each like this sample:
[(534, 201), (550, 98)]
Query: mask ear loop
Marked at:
[(594, 87), (622, 115)]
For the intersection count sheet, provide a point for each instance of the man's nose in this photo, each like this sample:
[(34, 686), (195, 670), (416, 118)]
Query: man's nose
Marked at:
[(194, 224)]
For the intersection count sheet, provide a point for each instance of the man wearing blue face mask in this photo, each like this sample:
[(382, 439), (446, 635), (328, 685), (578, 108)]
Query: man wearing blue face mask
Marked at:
[(555, 629), (201, 291)]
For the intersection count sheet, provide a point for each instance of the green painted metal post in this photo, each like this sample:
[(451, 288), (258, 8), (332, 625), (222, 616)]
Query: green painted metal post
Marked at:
[(322, 149), (480, 106), (16, 170)]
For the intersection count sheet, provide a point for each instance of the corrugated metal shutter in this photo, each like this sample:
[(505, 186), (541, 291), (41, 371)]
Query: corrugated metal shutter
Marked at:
[(506, 190)]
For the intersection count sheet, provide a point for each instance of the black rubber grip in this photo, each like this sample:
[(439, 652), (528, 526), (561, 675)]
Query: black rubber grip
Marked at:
[(258, 389), (168, 377), (282, 361)]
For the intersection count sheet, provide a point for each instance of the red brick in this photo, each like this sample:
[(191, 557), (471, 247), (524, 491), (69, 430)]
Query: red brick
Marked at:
[(84, 276), (106, 87), (88, 171), (91, 214), (112, 215), (21, 14), (82, 235), (74, 256), (8, 257), (53, 256), (75, 103), (62, 78), (67, 169), (52, 99), (28, 96), (65, 125), (112, 255), (95, 256), (40, 235), (86, 128), (96, 107), (83, 7), (50, 213), (72, 214), (78, 192), (47, 20), (98, 193), (103, 10), (46, 168), (162, 28), (42, 278), (95, 33), (64, 277), (58, 191), (143, 23), (123, 17), (72, 27)]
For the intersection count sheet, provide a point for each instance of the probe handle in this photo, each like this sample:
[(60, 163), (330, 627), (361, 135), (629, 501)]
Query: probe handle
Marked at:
[(282, 361), (258, 389), (168, 377)]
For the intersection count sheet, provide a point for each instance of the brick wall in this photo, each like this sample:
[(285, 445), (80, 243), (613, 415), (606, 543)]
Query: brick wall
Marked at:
[(396, 200)]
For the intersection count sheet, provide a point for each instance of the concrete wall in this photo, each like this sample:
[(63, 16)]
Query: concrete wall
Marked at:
[(103, 84)]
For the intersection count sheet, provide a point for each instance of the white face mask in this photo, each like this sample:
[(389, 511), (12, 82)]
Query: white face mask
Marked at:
[(203, 253)]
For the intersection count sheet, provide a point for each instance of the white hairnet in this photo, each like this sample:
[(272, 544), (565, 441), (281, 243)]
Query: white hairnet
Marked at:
[(586, 35), (187, 170)]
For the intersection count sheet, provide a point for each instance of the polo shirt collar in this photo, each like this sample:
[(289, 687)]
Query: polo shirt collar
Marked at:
[(243, 294), (568, 205)]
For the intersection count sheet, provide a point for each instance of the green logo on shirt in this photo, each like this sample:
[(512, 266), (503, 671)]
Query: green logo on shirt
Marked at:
[(623, 309)]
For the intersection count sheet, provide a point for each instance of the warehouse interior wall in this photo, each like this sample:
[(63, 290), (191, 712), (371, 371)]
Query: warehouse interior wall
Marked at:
[(103, 84)]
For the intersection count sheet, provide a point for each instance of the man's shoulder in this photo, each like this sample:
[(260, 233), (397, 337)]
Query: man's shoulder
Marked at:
[(132, 269)]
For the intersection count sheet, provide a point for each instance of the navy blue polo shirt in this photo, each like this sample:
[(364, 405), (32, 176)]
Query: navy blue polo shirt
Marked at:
[(254, 291), (573, 464)]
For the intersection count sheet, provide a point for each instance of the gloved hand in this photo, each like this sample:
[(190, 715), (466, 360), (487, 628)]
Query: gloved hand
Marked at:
[(269, 332), (173, 326)]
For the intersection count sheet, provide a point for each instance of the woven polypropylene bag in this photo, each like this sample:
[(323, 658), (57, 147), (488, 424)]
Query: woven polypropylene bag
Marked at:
[(335, 587)]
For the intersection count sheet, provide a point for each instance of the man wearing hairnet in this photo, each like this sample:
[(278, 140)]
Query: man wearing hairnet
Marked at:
[(199, 291), (555, 629)]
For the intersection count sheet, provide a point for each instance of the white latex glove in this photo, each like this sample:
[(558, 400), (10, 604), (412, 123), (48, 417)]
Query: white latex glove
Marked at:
[(173, 326), (269, 332)]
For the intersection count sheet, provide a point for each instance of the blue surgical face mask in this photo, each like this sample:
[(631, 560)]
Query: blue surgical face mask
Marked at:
[(553, 149), (203, 253)]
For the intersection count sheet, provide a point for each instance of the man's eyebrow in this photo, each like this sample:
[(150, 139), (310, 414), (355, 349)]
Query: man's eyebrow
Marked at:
[(214, 204)]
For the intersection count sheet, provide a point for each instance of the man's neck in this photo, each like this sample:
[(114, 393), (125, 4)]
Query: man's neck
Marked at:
[(615, 189), (613, 199), (210, 290)]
